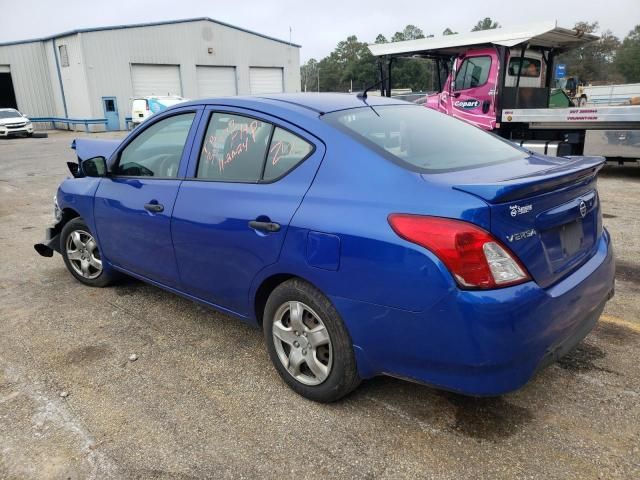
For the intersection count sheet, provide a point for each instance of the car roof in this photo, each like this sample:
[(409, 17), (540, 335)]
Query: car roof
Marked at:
[(313, 103), (8, 109)]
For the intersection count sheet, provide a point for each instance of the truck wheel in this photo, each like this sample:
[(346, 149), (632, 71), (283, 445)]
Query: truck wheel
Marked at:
[(308, 342)]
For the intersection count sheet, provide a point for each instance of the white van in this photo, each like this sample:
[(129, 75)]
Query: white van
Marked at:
[(143, 107)]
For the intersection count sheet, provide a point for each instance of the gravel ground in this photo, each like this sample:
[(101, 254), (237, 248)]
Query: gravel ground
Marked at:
[(203, 401)]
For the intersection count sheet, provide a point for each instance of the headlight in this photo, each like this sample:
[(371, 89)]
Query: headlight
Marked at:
[(57, 213), (28, 123)]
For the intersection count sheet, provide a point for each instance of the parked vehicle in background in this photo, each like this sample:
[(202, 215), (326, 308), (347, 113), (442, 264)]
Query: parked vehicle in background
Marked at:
[(12, 122), (597, 95), (500, 80), (143, 107), (437, 252)]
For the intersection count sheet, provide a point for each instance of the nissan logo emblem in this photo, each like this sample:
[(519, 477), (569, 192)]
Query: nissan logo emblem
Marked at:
[(583, 208)]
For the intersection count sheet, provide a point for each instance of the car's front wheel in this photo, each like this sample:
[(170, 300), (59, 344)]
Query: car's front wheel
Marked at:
[(308, 342), (82, 255)]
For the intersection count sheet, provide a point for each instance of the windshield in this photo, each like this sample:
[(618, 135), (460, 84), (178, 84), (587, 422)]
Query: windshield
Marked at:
[(9, 114), (423, 139)]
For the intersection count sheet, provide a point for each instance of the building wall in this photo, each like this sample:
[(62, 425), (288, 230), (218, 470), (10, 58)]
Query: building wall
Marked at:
[(100, 64), (110, 53), (31, 77), (74, 78)]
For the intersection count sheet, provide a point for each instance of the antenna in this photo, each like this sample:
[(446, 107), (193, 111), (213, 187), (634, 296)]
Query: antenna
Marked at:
[(363, 95)]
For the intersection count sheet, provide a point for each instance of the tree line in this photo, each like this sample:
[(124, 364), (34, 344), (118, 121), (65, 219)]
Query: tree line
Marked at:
[(352, 67)]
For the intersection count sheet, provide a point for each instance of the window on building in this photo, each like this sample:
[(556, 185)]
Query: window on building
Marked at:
[(473, 73), (64, 56), (157, 151), (285, 152)]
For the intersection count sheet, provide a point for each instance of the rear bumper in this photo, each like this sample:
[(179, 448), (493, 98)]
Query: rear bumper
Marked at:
[(482, 342), (51, 242)]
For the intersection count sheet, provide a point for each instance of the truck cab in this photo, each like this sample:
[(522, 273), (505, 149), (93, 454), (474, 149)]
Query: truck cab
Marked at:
[(501, 80), (470, 89)]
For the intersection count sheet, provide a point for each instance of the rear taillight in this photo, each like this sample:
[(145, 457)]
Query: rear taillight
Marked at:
[(474, 257)]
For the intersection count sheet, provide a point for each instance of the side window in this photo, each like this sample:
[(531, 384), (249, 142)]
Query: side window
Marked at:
[(473, 73), (285, 152), (157, 151), (64, 56), (234, 148), (530, 67)]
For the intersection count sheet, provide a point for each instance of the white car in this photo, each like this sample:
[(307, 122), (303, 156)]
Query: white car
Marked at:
[(143, 107), (12, 122)]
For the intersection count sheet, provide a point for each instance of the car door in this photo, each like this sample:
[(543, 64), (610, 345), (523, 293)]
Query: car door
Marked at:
[(246, 180), (133, 205), (473, 91)]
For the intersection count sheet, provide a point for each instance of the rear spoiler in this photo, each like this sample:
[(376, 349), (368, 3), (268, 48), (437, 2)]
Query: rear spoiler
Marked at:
[(576, 170)]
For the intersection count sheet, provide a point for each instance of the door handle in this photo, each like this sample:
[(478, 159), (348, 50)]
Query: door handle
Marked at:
[(154, 207), (264, 226)]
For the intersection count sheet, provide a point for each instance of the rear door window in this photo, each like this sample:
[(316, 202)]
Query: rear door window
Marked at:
[(234, 148)]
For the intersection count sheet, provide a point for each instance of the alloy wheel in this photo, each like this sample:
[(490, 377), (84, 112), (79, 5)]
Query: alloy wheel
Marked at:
[(83, 254)]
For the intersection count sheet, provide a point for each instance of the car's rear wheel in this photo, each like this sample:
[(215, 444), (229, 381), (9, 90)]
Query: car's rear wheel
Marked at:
[(82, 255), (308, 342)]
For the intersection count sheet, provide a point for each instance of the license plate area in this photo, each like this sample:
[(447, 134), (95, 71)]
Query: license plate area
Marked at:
[(571, 238)]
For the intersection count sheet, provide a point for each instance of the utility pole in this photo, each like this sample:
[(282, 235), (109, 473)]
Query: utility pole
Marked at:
[(318, 79)]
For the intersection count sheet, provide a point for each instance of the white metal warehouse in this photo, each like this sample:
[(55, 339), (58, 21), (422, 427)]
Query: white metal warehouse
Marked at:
[(94, 73)]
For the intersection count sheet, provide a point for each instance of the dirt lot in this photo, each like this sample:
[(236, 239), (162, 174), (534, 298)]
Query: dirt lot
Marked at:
[(203, 401)]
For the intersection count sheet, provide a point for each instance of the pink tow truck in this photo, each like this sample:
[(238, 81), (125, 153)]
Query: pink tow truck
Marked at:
[(501, 80)]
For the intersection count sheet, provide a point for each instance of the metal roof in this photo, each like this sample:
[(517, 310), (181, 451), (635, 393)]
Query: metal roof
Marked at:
[(150, 24), (544, 35)]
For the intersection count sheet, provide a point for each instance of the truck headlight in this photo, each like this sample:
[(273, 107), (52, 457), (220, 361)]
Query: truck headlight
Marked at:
[(57, 213)]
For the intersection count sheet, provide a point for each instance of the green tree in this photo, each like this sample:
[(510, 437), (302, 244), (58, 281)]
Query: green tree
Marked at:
[(628, 56), (485, 24), (351, 65), (448, 31), (381, 39), (593, 62), (410, 32), (309, 75)]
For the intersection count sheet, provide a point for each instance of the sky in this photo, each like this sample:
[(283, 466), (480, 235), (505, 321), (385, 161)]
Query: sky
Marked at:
[(317, 26)]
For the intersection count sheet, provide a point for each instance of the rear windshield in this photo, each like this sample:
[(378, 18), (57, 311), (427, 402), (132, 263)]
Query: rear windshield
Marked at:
[(422, 139)]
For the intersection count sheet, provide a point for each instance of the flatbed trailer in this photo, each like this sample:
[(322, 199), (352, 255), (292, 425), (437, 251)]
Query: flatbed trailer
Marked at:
[(500, 80)]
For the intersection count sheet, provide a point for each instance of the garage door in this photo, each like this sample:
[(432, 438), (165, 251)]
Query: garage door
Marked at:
[(155, 80), (7, 95), (216, 81), (265, 80)]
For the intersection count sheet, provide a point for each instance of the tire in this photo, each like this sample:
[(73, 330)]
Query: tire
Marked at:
[(82, 256), (320, 346)]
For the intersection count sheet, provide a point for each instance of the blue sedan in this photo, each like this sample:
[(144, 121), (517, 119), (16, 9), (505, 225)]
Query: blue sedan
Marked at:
[(365, 236)]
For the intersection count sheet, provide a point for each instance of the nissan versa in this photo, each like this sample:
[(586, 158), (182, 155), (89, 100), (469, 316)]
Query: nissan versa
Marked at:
[(365, 236)]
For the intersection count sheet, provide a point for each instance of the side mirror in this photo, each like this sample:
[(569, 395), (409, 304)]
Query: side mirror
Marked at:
[(94, 167)]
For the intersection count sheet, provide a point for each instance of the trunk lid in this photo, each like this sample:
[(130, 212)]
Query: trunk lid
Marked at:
[(545, 210)]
